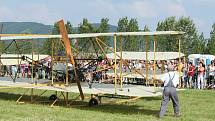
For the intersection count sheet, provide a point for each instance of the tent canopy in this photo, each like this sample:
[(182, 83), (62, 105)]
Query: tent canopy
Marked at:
[(16, 58), (142, 55)]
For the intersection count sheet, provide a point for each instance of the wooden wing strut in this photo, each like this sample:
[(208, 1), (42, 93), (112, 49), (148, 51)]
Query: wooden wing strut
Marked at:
[(69, 53)]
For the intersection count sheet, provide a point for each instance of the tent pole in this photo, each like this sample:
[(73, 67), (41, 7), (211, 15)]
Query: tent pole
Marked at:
[(146, 62), (154, 64), (67, 73), (115, 79), (32, 65), (179, 62), (52, 60), (121, 63)]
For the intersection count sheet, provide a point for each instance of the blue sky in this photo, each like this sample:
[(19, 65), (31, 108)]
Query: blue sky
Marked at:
[(145, 11)]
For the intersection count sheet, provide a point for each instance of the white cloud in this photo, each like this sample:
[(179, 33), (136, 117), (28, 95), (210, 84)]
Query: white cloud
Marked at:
[(202, 1), (138, 9), (175, 8), (146, 11), (27, 12), (48, 13), (142, 9)]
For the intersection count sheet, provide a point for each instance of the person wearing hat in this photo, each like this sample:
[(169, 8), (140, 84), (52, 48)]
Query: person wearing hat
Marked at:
[(171, 81)]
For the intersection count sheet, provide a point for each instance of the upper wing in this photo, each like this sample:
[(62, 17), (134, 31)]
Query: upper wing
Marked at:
[(85, 35)]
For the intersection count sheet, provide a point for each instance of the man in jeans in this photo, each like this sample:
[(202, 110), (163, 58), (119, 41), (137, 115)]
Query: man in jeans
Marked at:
[(171, 81)]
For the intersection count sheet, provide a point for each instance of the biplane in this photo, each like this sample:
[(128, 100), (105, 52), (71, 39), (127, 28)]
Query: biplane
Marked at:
[(72, 71)]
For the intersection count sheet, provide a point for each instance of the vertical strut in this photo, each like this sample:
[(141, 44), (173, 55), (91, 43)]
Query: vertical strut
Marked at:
[(69, 53)]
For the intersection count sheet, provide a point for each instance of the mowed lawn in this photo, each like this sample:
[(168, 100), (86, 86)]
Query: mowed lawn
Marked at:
[(196, 105)]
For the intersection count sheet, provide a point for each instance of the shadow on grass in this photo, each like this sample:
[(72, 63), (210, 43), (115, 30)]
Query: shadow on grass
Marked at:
[(121, 109), (14, 97), (152, 98), (107, 108)]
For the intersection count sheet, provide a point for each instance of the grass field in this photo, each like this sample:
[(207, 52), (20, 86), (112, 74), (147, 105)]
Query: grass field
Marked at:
[(196, 105)]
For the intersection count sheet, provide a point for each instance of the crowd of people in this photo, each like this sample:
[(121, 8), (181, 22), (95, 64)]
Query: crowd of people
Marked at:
[(200, 76), (197, 76), (25, 71)]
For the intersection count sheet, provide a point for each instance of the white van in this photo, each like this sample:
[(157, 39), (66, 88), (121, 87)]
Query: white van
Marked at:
[(194, 58), (207, 59)]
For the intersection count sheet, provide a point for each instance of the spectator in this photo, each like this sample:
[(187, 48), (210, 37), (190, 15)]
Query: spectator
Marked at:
[(195, 78), (211, 70), (200, 80), (89, 78), (191, 72), (14, 71), (184, 76), (23, 70)]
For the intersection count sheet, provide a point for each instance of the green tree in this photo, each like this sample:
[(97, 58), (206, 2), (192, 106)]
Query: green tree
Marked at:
[(2, 46), (86, 44), (130, 43), (211, 41), (104, 28), (47, 45), (143, 40), (123, 24), (69, 28), (146, 28), (85, 27), (2, 43), (166, 43), (200, 46), (55, 29), (190, 41), (122, 27), (22, 46)]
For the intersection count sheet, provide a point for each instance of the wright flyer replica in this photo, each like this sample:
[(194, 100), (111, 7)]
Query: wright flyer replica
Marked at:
[(71, 70)]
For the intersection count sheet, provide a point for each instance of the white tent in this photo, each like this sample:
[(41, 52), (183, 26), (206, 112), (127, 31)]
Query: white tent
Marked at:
[(142, 55), (15, 58)]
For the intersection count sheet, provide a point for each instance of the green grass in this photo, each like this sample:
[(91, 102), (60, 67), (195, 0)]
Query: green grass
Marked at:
[(196, 105)]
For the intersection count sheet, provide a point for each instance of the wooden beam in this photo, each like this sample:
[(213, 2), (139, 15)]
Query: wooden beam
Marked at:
[(69, 53)]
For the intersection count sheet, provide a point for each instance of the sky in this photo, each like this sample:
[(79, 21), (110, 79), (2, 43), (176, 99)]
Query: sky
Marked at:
[(147, 12)]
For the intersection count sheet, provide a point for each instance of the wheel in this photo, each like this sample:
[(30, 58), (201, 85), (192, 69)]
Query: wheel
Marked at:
[(53, 97), (93, 102)]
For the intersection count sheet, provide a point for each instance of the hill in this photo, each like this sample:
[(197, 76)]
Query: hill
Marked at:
[(112, 28), (35, 28), (22, 27)]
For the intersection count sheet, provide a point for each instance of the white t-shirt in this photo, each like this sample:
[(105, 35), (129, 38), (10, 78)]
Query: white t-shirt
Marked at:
[(211, 70), (169, 76)]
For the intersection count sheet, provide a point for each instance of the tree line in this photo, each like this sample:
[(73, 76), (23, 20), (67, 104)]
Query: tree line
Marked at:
[(191, 42)]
